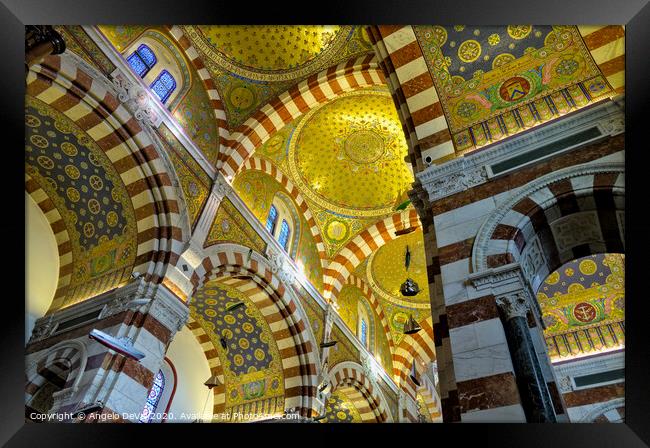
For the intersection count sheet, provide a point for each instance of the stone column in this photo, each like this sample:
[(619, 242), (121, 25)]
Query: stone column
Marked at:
[(99, 378), (535, 397)]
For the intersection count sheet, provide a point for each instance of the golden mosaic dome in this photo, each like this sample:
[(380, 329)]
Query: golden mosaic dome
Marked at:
[(387, 272), (269, 52), (359, 138)]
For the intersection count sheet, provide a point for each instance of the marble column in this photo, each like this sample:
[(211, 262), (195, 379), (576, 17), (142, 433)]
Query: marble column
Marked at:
[(534, 394)]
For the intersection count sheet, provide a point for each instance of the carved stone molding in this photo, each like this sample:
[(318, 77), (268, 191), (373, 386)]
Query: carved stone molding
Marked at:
[(136, 99), (280, 268), (466, 172), (513, 305)]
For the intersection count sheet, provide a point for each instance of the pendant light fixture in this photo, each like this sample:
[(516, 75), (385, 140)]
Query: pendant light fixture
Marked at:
[(409, 288)]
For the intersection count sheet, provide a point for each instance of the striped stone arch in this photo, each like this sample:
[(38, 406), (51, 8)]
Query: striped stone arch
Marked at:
[(418, 346), (376, 306), (75, 89), (265, 166), (63, 364), (416, 98), (361, 246), (210, 88), (348, 376), (567, 214), (282, 310), (414, 93), (60, 231), (304, 96)]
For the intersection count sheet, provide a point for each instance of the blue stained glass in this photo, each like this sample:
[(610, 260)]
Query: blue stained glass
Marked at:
[(142, 60), (283, 238), (138, 65), (364, 332), (154, 398), (271, 219), (164, 85), (147, 55)]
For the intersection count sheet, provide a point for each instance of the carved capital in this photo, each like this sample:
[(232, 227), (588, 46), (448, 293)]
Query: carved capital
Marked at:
[(220, 188), (513, 305), (280, 267)]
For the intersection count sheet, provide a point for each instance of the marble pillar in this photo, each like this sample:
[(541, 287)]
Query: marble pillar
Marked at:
[(534, 394)]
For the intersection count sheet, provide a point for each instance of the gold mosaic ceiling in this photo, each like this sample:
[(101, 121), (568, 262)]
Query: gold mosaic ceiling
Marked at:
[(267, 48), (386, 272), (348, 155)]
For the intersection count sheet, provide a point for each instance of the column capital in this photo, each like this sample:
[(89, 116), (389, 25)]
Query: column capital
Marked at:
[(513, 305)]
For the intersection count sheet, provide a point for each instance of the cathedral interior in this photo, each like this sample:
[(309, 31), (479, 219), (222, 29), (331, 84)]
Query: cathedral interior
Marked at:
[(328, 224)]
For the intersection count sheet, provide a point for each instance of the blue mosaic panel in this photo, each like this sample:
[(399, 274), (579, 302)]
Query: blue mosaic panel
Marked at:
[(66, 162), (247, 347), (469, 48), (587, 271), (164, 85), (338, 409)]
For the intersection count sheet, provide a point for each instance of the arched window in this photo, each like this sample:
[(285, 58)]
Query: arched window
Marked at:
[(283, 238), (272, 219), (163, 86), (363, 332), (153, 399), (142, 59)]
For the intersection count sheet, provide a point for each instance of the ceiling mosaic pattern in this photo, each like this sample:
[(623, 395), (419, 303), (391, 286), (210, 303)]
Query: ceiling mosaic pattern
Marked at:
[(251, 361), (340, 409), (583, 305), (386, 271), (89, 194), (194, 182), (253, 64), (494, 81), (359, 137), (230, 226)]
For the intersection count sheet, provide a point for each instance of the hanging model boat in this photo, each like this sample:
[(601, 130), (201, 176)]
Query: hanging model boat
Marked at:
[(123, 346)]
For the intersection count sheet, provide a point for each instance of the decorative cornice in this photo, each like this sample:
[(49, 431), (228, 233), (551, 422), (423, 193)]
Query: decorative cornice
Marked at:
[(466, 172)]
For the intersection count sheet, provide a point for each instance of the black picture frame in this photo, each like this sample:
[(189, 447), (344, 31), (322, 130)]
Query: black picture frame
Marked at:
[(635, 14)]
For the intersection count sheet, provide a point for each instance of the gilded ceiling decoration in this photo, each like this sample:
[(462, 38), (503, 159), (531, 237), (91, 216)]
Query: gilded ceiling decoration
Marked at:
[(583, 306), (90, 196), (194, 182), (78, 42), (250, 359), (494, 81), (340, 409), (344, 350), (257, 190), (386, 272), (359, 137), (253, 64), (230, 226)]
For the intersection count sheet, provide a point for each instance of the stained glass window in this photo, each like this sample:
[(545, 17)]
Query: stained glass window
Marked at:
[(142, 60), (364, 332), (154, 398), (283, 238), (164, 85), (272, 219)]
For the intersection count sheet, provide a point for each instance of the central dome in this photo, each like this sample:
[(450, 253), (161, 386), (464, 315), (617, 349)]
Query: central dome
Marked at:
[(269, 52), (348, 155)]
